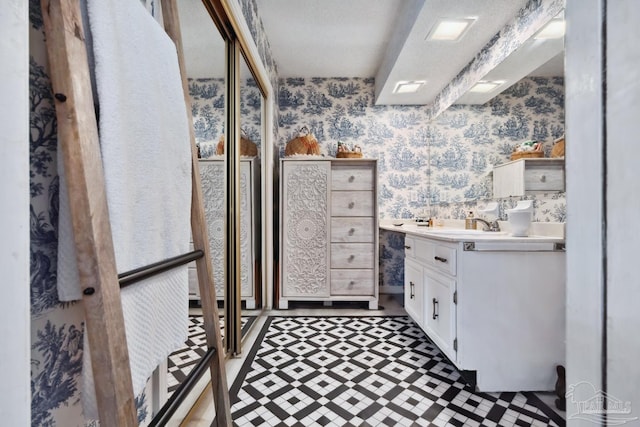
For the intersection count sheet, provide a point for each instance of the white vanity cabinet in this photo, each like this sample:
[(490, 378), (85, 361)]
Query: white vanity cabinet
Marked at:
[(212, 177), (518, 177), (328, 230), (494, 308)]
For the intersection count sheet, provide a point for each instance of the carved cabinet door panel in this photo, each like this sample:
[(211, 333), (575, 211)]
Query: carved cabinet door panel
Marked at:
[(305, 228)]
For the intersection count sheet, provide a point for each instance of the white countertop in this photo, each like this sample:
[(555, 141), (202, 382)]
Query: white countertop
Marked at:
[(458, 234)]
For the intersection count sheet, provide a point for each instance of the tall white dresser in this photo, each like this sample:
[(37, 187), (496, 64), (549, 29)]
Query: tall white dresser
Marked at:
[(328, 230), (212, 176)]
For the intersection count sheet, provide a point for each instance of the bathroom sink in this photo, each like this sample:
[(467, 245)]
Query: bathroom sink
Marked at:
[(464, 232)]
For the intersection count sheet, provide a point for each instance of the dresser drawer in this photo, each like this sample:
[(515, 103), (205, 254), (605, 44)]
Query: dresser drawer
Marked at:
[(357, 229), (352, 203), (352, 282), (352, 177), (352, 255)]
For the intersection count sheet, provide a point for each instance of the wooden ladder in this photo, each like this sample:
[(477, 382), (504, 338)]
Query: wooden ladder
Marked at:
[(99, 279)]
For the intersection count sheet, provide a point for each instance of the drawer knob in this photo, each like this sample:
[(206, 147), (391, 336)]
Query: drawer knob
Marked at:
[(351, 257), (352, 178), (351, 231), (543, 178), (439, 258), (352, 205), (351, 283)]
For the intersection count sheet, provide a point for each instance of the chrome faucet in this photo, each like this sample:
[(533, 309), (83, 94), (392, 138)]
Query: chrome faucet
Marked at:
[(490, 226)]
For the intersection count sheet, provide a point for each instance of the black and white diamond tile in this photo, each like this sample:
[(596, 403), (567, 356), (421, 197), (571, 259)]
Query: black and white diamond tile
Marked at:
[(364, 371), (183, 360)]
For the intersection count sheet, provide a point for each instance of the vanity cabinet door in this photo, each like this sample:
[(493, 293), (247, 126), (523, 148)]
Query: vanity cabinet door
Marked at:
[(440, 311), (305, 228), (413, 291)]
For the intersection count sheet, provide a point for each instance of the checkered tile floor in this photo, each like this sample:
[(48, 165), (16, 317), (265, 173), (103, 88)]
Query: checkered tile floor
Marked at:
[(182, 361), (365, 371)]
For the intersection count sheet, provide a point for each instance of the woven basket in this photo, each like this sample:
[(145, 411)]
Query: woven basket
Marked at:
[(526, 155), (349, 155), (304, 143)]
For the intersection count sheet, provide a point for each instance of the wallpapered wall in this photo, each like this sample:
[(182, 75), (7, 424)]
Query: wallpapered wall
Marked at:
[(207, 109)]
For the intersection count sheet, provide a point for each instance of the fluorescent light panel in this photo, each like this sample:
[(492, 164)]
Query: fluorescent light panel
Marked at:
[(485, 87), (408, 86), (450, 29), (553, 30)]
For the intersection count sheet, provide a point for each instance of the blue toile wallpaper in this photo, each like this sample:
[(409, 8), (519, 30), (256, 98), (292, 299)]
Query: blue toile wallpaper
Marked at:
[(207, 109), (56, 328)]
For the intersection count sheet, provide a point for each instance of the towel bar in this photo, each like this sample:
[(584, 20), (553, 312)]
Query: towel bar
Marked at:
[(132, 276)]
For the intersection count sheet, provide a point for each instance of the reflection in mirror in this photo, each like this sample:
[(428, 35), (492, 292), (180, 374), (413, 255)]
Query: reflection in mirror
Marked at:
[(204, 56), (520, 100), (250, 200)]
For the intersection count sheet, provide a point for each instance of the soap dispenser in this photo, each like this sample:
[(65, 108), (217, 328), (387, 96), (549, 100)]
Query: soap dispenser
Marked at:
[(469, 222)]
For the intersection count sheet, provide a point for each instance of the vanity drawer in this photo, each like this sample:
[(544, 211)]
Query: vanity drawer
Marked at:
[(352, 282), (352, 177), (352, 255), (352, 203), (444, 259), (409, 247), (348, 229)]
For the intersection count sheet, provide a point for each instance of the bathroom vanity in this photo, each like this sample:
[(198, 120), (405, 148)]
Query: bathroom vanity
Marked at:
[(493, 304)]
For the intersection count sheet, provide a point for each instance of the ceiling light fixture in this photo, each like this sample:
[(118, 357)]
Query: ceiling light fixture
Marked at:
[(485, 86), (411, 86), (450, 29), (553, 30)]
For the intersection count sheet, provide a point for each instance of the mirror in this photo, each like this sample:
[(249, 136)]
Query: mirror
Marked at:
[(521, 99), (205, 53), (204, 57)]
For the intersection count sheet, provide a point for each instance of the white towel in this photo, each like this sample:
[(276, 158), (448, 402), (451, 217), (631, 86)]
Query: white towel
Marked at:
[(144, 139)]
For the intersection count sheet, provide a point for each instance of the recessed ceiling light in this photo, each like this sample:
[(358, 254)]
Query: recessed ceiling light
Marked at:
[(450, 29), (553, 30), (408, 86), (485, 87)]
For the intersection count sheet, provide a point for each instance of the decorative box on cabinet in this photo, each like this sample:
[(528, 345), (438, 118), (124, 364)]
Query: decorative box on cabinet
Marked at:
[(517, 177), (494, 313), (328, 230), (212, 177)]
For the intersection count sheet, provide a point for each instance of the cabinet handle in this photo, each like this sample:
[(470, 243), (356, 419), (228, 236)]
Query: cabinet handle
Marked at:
[(351, 231), (543, 178), (351, 283), (407, 247), (351, 205), (411, 290), (439, 258), (351, 257), (352, 178), (435, 305)]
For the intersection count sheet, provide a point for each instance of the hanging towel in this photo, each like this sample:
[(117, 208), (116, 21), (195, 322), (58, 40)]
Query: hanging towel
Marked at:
[(144, 140)]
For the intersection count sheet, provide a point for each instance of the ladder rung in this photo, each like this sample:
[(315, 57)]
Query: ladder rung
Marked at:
[(168, 409), (130, 277)]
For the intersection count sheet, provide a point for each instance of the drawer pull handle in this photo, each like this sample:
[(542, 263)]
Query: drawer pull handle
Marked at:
[(435, 305), (439, 258), (543, 178), (352, 178), (411, 290), (351, 283), (351, 257), (351, 231), (407, 247), (351, 205)]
